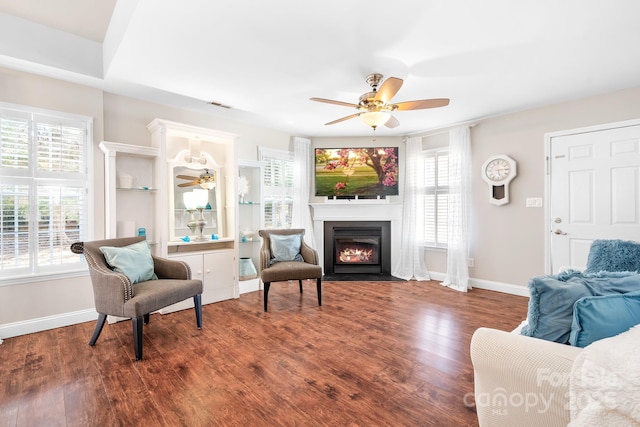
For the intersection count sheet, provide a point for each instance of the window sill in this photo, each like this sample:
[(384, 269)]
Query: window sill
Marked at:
[(43, 277)]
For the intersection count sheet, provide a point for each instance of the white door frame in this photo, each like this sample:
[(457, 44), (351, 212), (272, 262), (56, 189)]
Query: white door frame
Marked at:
[(548, 137)]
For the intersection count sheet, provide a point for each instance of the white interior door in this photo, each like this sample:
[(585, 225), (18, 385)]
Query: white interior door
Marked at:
[(594, 188)]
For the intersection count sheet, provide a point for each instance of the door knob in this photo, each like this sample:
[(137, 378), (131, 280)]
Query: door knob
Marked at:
[(559, 232)]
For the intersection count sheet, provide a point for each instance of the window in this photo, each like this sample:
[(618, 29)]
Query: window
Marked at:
[(436, 197), (277, 187), (43, 191)]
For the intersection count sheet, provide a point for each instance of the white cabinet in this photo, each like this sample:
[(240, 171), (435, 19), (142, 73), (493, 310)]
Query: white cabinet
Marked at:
[(249, 221), (217, 272), (130, 190)]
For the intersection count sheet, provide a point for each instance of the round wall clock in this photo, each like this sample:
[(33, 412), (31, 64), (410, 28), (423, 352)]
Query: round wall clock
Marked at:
[(498, 171)]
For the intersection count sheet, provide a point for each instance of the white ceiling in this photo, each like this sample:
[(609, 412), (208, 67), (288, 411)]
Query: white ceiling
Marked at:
[(266, 59)]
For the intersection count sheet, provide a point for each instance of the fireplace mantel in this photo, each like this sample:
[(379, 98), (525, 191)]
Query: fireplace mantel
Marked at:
[(358, 210)]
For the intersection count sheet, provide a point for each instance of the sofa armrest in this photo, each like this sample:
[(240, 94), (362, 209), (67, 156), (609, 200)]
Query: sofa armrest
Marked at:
[(519, 380)]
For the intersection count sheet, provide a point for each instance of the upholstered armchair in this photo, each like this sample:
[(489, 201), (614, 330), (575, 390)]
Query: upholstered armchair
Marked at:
[(285, 256), (129, 282)]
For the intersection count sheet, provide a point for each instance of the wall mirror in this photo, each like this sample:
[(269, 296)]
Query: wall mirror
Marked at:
[(195, 207)]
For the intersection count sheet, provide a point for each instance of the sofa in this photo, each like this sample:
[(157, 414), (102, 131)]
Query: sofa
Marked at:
[(572, 361)]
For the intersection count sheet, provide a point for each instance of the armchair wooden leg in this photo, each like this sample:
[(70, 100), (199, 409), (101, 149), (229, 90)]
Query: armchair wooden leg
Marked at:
[(319, 286), (197, 305), (266, 294), (137, 336), (98, 329), (300, 281), (146, 319)]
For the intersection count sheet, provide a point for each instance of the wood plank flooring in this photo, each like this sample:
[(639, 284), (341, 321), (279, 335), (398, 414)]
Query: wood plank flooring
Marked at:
[(374, 354)]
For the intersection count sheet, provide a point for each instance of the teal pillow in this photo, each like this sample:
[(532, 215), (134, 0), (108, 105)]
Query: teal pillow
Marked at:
[(285, 247), (552, 298), (595, 318), (134, 261)]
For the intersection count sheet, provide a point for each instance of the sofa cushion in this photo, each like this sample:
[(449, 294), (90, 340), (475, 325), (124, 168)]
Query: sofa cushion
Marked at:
[(550, 313), (613, 255), (134, 261), (598, 317), (285, 247)]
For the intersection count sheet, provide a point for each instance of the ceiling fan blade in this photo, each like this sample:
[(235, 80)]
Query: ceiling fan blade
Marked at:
[(392, 122), (186, 177), (389, 88), (188, 184), (331, 101), (343, 119), (422, 104)]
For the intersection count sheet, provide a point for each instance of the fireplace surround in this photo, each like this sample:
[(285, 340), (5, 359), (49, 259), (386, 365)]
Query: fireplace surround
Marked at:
[(357, 210), (357, 247)]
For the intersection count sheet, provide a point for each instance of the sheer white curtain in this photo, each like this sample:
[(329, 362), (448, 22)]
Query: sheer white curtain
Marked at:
[(302, 172), (459, 209), (411, 264)]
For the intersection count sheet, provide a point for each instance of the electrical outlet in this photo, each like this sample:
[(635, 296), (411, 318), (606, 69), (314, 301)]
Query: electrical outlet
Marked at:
[(471, 262)]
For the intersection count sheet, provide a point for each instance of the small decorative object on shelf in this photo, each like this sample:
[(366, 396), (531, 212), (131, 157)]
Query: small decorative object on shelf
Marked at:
[(214, 237), (196, 200), (142, 231), (247, 270), (185, 239), (243, 188)]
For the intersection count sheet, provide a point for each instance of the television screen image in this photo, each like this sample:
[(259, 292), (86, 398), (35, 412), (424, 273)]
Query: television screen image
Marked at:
[(366, 172)]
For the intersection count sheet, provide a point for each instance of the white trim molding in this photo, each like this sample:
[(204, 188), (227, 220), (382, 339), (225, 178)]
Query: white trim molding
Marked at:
[(40, 324), (505, 288)]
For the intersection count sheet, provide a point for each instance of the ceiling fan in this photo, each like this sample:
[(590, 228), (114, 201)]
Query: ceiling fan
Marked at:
[(206, 180), (374, 108)]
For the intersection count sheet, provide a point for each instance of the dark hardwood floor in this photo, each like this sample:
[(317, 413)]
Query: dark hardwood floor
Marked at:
[(374, 354)]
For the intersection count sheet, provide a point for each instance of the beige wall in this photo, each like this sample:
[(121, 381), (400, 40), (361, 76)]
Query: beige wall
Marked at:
[(508, 242), (117, 119)]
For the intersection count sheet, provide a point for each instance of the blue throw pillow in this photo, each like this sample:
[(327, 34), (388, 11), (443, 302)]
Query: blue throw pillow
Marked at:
[(613, 255), (552, 298), (595, 318), (134, 261), (285, 247)]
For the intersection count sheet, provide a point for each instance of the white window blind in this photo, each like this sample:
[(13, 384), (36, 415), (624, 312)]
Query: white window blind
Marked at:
[(436, 197), (43, 191), (277, 187)]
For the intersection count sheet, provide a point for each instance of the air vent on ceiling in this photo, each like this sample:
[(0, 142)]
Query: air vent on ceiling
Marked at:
[(217, 104)]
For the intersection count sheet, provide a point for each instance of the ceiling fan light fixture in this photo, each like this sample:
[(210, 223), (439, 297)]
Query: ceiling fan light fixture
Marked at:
[(374, 118), (207, 180)]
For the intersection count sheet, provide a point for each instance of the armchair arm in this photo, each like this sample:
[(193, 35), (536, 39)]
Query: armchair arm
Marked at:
[(110, 291), (265, 257), (309, 254), (171, 269)]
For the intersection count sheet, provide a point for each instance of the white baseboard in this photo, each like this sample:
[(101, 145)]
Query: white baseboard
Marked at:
[(489, 285), (30, 326)]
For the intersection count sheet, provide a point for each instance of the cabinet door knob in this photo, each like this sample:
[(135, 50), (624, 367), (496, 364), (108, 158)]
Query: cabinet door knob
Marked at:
[(208, 271)]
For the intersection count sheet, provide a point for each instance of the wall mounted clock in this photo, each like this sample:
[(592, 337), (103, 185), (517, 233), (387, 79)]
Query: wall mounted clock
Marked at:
[(498, 171)]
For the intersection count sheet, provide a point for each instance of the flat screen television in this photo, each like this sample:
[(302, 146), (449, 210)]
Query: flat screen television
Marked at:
[(367, 172)]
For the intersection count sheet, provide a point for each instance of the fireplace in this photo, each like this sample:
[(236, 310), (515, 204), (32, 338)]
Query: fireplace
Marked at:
[(357, 247)]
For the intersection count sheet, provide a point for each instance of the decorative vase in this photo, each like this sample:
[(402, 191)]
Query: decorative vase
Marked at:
[(247, 269)]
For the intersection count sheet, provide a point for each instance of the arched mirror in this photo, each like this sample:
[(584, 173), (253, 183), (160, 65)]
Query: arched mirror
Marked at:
[(195, 198)]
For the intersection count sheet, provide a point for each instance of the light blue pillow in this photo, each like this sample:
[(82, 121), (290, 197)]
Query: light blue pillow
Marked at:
[(134, 261), (613, 255), (595, 318), (285, 247)]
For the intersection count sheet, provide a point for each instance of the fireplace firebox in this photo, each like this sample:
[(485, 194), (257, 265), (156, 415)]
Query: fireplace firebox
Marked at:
[(357, 247)]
